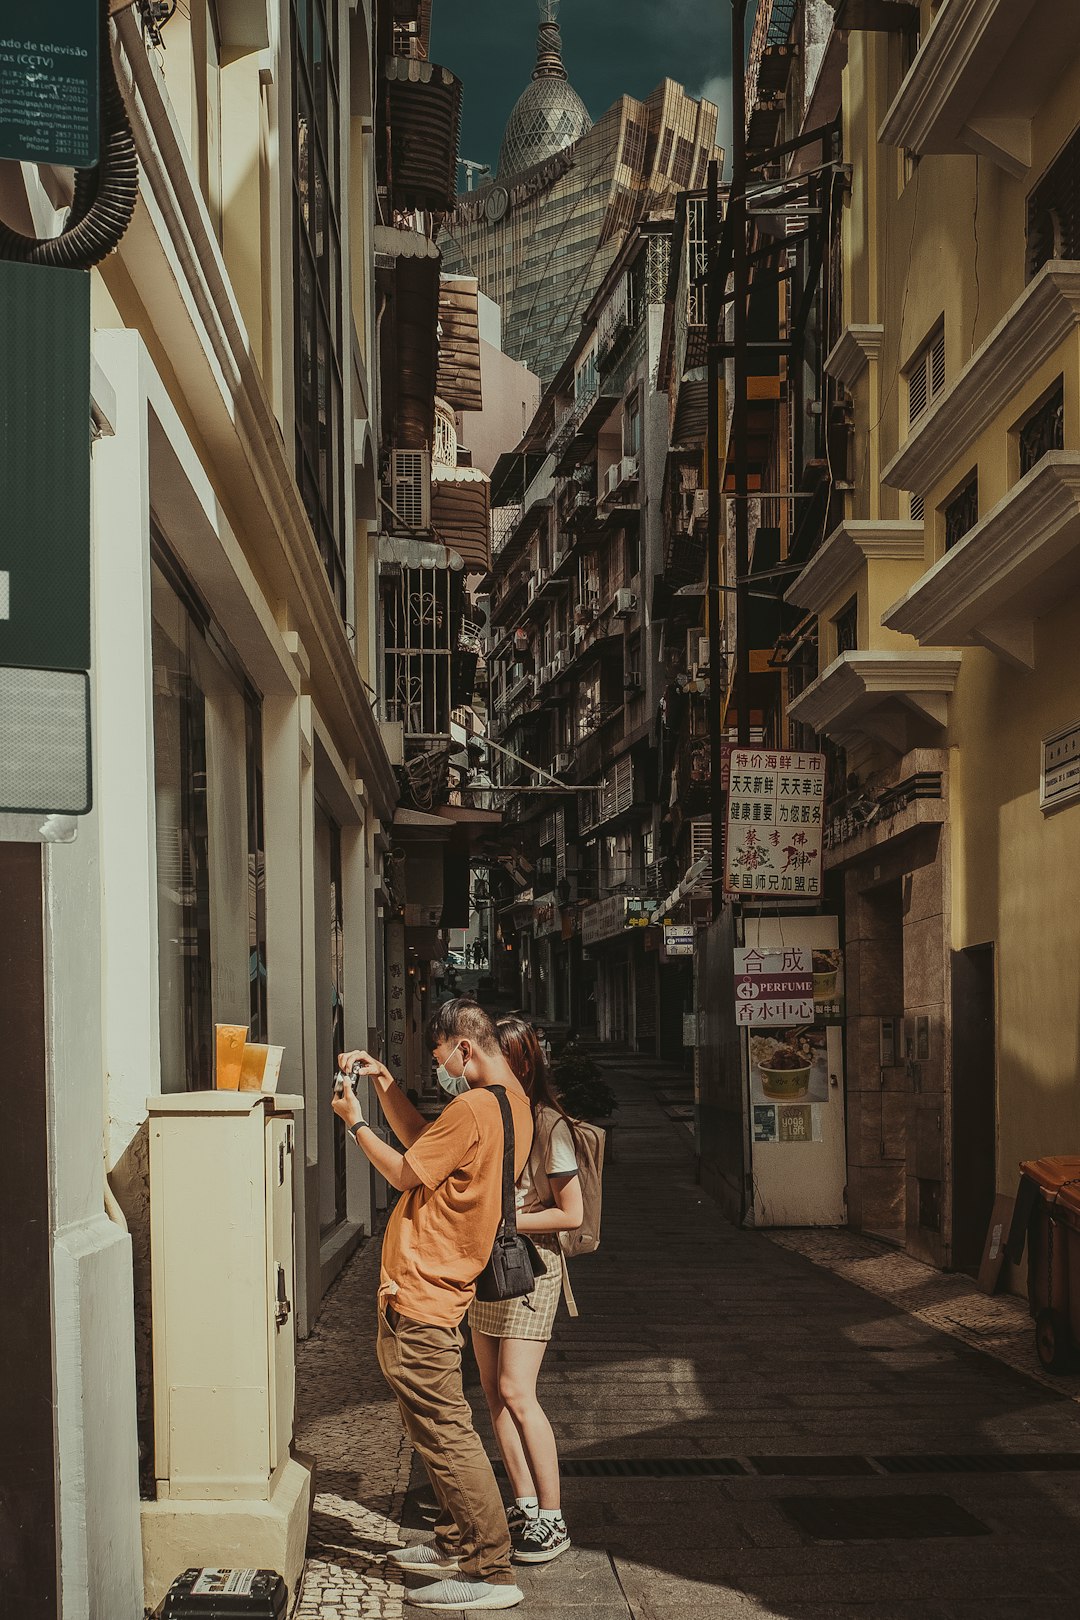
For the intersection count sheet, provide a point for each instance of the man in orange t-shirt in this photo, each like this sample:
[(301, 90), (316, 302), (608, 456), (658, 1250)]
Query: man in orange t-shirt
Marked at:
[(438, 1239)]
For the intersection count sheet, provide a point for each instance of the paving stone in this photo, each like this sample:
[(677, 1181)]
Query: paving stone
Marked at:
[(698, 1340)]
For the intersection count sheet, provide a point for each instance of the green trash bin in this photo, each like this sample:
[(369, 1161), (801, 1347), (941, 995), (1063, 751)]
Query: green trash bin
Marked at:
[(1048, 1205)]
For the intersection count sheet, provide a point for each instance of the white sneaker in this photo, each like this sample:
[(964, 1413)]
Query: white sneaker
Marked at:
[(465, 1595), (424, 1555)]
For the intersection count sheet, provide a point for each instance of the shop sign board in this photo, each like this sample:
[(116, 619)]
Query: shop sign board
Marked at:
[(1060, 768), (679, 939), (606, 918), (396, 1001), (774, 823), (774, 987), (49, 82)]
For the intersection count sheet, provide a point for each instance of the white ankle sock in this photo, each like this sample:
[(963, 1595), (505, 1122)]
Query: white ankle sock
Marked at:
[(550, 1513), (527, 1504)]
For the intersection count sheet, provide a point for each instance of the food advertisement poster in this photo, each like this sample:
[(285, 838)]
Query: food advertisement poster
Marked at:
[(828, 985), (789, 1066)]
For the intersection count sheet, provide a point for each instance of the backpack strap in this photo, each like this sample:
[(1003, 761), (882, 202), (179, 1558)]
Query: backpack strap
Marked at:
[(509, 1203)]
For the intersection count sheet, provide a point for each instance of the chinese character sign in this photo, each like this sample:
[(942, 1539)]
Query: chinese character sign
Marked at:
[(775, 819), (396, 1001), (774, 987)]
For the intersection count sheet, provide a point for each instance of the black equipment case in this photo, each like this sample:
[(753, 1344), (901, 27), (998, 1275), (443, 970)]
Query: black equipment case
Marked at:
[(226, 1594)]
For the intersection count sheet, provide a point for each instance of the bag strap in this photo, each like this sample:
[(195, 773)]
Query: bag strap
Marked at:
[(509, 1202)]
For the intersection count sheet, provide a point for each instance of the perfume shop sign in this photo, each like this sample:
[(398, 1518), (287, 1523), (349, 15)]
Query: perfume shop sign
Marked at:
[(774, 988)]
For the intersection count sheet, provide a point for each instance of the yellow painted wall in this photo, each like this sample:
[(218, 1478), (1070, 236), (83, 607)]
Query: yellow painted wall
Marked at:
[(949, 239)]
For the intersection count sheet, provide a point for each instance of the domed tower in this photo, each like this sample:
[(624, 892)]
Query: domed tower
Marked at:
[(549, 115)]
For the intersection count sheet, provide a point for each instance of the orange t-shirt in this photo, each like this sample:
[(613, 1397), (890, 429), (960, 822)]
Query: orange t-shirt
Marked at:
[(440, 1236)]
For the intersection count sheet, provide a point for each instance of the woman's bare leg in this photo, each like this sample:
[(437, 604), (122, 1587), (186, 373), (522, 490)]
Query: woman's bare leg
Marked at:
[(518, 1368), (488, 1353)]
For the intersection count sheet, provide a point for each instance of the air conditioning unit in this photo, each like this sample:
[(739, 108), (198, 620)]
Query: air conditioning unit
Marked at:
[(560, 763), (632, 682), (697, 649), (625, 604), (534, 585), (613, 478), (579, 634), (629, 470), (410, 488)]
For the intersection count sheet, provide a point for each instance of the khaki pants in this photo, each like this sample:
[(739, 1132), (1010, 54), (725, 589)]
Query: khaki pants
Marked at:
[(422, 1365)]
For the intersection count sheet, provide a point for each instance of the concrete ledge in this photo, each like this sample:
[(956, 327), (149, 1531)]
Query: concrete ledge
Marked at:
[(181, 1535), (335, 1252)]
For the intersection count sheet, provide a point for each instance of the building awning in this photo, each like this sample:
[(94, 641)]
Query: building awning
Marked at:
[(459, 343), (408, 264), (691, 413), (459, 512), (424, 107)]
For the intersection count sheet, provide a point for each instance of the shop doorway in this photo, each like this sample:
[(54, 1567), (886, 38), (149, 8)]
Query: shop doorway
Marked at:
[(974, 1090), (885, 1115)]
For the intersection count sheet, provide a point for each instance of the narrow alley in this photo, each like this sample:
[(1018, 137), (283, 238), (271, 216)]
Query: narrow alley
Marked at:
[(744, 1433)]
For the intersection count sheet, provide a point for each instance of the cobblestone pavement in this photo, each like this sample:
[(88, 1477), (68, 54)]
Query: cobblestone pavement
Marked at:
[(719, 1389), (348, 1422)]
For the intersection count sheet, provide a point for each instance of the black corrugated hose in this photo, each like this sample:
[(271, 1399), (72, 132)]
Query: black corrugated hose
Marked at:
[(104, 199)]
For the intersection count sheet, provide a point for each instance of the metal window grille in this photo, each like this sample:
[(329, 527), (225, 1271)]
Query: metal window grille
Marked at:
[(416, 650), (1043, 430), (1053, 213), (962, 512), (696, 256), (917, 508), (846, 625)]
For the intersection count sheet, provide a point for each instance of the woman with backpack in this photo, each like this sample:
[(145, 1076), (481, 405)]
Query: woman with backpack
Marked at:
[(510, 1336)]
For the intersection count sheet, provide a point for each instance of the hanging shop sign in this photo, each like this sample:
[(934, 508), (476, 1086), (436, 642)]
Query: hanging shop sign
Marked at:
[(774, 987), (396, 1001), (607, 918), (1060, 768), (774, 823), (49, 82), (679, 939)]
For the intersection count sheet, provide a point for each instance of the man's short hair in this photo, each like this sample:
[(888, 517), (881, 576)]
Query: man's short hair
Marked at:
[(462, 1019)]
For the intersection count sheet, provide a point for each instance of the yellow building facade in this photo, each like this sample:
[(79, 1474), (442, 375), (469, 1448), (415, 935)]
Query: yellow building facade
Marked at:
[(948, 611)]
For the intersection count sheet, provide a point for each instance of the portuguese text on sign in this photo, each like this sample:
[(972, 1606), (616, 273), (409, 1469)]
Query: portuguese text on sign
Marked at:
[(774, 823), (774, 988)]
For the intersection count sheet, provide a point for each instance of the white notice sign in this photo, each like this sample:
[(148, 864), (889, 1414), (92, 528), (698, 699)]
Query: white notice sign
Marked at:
[(1060, 768), (774, 824)]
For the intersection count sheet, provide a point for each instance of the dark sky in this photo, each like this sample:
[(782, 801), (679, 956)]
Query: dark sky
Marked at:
[(609, 46)]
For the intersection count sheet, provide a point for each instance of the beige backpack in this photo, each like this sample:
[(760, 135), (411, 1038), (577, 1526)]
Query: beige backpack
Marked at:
[(589, 1143)]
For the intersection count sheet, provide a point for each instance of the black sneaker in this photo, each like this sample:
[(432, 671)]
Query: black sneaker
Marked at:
[(540, 1541)]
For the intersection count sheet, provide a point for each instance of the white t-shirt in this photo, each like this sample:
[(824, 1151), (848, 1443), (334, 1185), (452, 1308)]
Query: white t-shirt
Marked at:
[(561, 1161)]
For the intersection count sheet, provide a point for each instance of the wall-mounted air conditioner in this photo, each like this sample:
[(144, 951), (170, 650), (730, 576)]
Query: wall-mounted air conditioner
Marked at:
[(629, 469), (579, 634), (625, 604), (410, 488), (613, 478), (560, 763)]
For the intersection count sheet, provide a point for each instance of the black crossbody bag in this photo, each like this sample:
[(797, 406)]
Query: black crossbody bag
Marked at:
[(515, 1262)]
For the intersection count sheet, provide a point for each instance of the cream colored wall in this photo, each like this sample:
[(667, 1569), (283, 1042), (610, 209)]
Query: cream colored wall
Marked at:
[(911, 256)]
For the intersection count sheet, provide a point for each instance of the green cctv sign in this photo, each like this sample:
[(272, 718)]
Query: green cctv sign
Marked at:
[(49, 81)]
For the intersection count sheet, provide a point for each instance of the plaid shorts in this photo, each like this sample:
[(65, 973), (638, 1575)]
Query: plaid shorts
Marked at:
[(533, 1315)]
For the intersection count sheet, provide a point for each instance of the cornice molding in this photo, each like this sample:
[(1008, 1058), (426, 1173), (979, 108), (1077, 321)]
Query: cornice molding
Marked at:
[(1041, 318), (853, 351), (1006, 572), (857, 684), (967, 41), (849, 548)]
